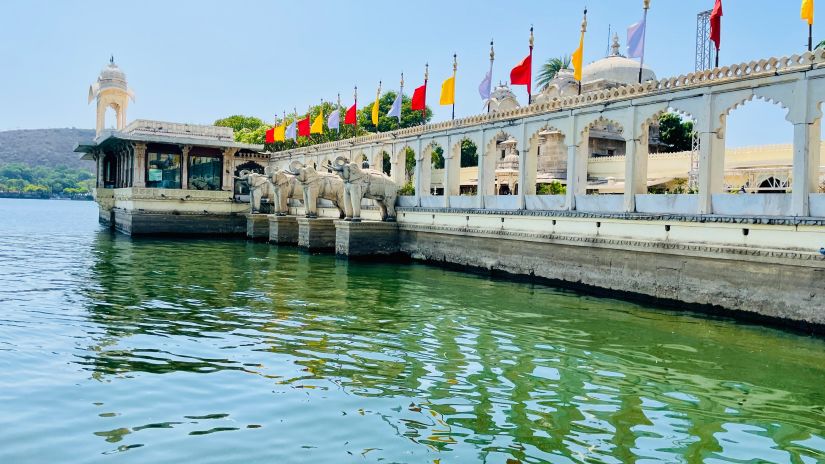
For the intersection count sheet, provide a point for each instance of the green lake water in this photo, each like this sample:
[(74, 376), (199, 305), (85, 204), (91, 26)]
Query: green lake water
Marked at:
[(115, 349)]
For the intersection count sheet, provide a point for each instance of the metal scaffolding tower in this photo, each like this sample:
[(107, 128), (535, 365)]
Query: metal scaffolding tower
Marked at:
[(703, 48), (704, 57)]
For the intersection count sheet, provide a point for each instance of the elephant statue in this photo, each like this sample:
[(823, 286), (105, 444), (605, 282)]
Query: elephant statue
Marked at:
[(259, 188), (284, 186), (365, 183), (318, 185)]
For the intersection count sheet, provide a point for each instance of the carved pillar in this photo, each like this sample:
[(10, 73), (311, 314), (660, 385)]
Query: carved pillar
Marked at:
[(711, 167), (184, 162), (636, 153), (139, 175), (228, 168), (806, 148), (417, 173), (577, 156), (99, 157), (452, 170)]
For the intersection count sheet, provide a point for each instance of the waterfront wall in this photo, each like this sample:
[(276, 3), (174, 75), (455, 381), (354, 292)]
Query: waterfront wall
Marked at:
[(770, 270)]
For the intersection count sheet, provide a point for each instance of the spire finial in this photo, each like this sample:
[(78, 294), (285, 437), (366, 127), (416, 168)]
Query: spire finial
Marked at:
[(112, 59), (615, 47), (531, 36), (492, 51), (584, 21), (426, 71), (455, 62), (647, 4)]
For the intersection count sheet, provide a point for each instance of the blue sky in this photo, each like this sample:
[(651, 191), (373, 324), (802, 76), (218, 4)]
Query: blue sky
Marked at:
[(196, 61)]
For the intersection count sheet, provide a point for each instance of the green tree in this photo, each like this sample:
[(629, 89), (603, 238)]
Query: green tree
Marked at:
[(409, 164), (386, 163), (239, 123), (469, 154), (437, 157), (247, 129), (549, 70), (553, 188), (675, 133)]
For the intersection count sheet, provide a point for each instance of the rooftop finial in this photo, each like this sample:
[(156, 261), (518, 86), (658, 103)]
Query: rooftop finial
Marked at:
[(112, 59), (615, 47)]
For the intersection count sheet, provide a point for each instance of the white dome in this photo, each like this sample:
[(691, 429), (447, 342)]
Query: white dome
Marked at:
[(616, 69), (112, 76)]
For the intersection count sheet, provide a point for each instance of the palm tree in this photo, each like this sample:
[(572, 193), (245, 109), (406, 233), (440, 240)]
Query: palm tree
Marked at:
[(550, 69)]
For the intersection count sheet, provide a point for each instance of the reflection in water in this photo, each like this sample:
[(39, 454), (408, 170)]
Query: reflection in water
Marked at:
[(221, 351)]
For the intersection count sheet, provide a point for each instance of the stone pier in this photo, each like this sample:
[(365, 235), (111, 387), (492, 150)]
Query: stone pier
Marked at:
[(283, 230), (366, 239), (257, 226), (317, 234)]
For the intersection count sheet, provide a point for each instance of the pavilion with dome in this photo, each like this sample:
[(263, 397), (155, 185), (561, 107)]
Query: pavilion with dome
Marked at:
[(614, 70)]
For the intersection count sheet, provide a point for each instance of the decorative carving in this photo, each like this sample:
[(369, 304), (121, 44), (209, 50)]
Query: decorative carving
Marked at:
[(318, 185), (285, 185), (365, 183)]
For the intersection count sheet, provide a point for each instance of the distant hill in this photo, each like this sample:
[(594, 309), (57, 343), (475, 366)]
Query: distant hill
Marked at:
[(44, 147)]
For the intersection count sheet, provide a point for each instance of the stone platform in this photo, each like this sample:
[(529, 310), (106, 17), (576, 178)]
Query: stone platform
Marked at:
[(366, 239), (317, 234), (283, 230), (257, 226)]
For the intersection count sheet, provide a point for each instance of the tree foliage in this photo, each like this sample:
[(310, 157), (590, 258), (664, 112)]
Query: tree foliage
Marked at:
[(252, 130), (61, 180), (469, 154), (675, 133), (550, 68)]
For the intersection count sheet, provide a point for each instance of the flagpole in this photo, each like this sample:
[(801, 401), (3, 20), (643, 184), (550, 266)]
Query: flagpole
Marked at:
[(492, 58), (426, 77), (295, 138), (530, 83), (338, 130), (644, 39), (584, 29), (355, 97), (810, 37), (455, 68), (402, 100)]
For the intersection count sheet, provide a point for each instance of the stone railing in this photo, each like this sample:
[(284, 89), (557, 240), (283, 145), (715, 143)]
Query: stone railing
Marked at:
[(724, 74), (147, 127)]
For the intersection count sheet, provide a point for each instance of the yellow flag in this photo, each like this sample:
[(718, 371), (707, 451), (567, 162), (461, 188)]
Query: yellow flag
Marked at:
[(279, 133), (317, 126), (375, 113), (448, 92), (808, 11), (578, 57)]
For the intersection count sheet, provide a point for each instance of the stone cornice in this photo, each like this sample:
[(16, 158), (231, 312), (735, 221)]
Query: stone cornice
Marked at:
[(763, 255), (715, 219)]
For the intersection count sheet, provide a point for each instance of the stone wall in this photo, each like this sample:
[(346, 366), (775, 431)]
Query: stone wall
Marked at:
[(793, 292)]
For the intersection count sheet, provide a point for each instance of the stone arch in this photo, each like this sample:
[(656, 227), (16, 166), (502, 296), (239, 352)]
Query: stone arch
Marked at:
[(604, 144), (736, 163), (402, 171), (675, 168), (462, 175), (434, 157), (546, 159), (501, 159)]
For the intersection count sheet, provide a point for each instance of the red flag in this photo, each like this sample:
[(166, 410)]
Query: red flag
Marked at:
[(351, 117), (716, 24), (303, 127), (522, 74), (270, 135), (419, 99)]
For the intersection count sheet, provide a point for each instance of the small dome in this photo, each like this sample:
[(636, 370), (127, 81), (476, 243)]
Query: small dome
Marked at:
[(112, 76), (616, 69), (503, 99)]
